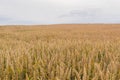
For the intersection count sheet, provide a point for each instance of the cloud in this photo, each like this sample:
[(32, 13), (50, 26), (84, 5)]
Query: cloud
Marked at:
[(2, 19), (84, 13), (90, 15), (57, 11)]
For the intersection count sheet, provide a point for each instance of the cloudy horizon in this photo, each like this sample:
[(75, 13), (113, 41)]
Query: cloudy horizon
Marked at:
[(59, 11)]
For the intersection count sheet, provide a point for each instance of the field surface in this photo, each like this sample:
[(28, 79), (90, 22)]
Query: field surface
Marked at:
[(60, 52)]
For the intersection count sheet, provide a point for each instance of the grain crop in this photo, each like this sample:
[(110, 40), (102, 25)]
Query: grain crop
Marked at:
[(60, 52)]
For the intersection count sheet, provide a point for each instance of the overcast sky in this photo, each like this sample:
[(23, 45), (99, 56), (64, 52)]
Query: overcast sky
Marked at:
[(59, 11)]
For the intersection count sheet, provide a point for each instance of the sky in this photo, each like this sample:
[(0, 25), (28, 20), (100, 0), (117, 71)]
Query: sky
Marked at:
[(59, 11)]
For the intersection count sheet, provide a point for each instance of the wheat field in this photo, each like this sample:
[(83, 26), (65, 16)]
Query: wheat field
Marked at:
[(60, 52)]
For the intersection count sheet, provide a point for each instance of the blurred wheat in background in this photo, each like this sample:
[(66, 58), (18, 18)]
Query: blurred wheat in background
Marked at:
[(60, 52)]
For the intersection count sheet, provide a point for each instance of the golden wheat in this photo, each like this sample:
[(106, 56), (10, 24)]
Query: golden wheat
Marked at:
[(60, 52)]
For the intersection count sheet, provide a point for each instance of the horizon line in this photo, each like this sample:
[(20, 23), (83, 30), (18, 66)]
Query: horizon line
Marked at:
[(59, 24)]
